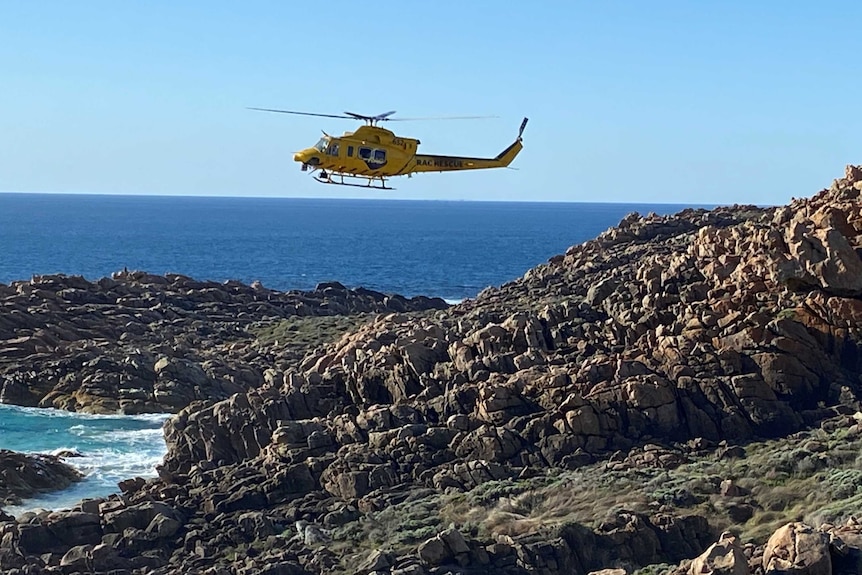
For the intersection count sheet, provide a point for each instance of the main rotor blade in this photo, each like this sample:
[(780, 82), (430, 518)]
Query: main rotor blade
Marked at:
[(440, 118), (378, 118), (300, 113), (375, 118)]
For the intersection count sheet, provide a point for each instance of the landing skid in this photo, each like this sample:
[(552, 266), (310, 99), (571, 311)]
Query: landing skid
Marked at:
[(369, 180)]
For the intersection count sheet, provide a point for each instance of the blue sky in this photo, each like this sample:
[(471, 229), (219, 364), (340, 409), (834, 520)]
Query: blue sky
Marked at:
[(656, 102)]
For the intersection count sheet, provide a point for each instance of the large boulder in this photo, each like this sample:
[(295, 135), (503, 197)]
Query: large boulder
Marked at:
[(724, 557), (797, 549)]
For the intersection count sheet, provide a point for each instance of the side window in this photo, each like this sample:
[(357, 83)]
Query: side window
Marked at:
[(380, 155), (365, 153), (349, 151), (333, 150)]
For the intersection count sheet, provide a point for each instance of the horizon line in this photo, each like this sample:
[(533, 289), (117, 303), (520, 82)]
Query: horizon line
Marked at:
[(398, 199)]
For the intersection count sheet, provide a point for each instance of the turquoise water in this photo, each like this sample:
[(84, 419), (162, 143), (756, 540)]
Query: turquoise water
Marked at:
[(112, 448)]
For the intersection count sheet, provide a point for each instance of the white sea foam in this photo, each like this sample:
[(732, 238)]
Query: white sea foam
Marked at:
[(111, 448), (66, 452), (75, 415)]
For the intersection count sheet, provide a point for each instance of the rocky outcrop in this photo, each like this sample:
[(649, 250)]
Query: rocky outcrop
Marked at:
[(664, 342), (795, 548), (690, 326), (23, 475), (141, 343)]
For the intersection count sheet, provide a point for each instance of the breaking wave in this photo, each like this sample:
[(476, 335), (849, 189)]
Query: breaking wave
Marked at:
[(105, 448)]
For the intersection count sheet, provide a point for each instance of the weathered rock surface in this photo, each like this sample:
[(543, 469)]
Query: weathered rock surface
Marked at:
[(798, 548), (724, 557), (23, 476), (662, 340), (142, 343)]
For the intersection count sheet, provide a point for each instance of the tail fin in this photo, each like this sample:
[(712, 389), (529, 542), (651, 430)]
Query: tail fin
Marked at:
[(506, 156)]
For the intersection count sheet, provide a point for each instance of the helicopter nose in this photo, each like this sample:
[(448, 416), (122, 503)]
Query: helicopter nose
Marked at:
[(308, 156)]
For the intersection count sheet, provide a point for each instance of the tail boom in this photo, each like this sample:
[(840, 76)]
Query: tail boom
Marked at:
[(432, 163)]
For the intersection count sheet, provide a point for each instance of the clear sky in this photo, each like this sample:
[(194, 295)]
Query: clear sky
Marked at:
[(697, 102)]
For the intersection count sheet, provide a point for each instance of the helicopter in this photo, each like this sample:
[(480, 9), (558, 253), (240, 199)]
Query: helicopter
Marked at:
[(371, 154)]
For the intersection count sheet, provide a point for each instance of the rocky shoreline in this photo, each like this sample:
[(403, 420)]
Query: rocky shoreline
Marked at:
[(679, 395), (141, 343), (23, 476)]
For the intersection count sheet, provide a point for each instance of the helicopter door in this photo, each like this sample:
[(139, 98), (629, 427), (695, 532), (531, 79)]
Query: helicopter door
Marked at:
[(332, 150)]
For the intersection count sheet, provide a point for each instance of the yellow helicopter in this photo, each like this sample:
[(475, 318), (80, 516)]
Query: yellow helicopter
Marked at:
[(372, 154)]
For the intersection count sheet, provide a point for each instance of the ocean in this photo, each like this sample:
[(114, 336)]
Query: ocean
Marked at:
[(447, 249)]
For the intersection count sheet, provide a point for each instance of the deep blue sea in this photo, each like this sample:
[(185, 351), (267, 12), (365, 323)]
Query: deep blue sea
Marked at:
[(447, 249)]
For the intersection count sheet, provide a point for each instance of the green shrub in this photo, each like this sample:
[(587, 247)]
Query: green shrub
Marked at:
[(843, 483)]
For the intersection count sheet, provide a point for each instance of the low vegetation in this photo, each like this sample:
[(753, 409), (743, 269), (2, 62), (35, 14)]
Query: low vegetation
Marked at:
[(813, 476), (298, 335)]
